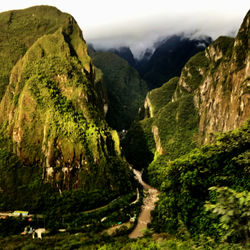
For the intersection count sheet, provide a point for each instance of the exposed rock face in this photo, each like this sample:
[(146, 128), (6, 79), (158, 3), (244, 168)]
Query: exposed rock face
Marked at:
[(52, 112), (148, 106), (157, 139), (219, 80), (211, 96), (223, 96)]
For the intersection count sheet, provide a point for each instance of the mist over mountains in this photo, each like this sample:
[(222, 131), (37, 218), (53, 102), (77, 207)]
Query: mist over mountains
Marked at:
[(165, 59)]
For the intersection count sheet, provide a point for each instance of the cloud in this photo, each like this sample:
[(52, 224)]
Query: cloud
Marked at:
[(139, 23), (144, 33)]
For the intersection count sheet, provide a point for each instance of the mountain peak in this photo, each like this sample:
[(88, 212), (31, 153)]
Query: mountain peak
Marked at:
[(51, 108)]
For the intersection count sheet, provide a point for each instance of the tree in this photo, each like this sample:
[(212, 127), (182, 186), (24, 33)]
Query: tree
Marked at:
[(234, 211)]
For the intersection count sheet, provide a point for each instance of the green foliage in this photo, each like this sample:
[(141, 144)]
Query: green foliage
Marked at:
[(162, 96), (184, 183), (105, 242), (21, 186), (125, 89), (192, 72), (71, 211), (234, 211), (177, 123), (56, 111), (138, 145), (20, 29)]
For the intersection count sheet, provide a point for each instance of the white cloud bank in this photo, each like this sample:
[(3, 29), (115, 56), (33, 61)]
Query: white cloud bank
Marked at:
[(139, 23)]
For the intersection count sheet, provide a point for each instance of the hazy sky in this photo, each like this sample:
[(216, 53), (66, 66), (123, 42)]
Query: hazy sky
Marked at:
[(139, 23)]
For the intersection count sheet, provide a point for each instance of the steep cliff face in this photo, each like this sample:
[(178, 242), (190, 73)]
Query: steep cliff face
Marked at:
[(51, 111), (211, 96), (223, 96), (174, 122), (220, 84)]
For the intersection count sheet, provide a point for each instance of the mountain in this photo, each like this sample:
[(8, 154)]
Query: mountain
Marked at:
[(166, 60), (61, 161), (203, 190), (126, 54), (169, 57), (210, 96), (124, 88), (51, 111)]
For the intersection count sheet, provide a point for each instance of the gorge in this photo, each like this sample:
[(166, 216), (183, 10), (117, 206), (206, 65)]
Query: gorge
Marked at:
[(73, 120)]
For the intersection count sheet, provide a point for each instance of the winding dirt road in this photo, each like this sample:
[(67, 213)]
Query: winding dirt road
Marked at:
[(148, 205)]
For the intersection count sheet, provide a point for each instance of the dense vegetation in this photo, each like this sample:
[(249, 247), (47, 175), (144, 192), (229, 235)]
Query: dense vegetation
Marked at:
[(51, 111), (104, 242), (177, 124), (22, 188), (125, 89), (185, 187), (199, 216), (185, 112), (60, 160), (139, 149), (20, 29)]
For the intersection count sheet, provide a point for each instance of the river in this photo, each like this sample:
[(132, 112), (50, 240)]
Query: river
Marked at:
[(148, 205)]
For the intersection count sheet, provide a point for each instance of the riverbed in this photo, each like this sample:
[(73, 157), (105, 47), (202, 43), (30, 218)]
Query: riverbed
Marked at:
[(149, 201)]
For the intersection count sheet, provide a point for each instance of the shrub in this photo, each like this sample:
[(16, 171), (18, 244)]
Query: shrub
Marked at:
[(233, 208)]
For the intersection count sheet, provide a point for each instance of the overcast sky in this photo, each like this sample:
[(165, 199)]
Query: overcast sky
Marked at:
[(139, 23)]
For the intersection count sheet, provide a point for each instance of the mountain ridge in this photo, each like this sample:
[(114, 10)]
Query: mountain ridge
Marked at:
[(212, 86), (52, 112), (166, 59)]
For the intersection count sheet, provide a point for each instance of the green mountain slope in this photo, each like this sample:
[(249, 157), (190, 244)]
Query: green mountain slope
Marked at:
[(20, 29), (125, 89), (185, 183), (51, 111)]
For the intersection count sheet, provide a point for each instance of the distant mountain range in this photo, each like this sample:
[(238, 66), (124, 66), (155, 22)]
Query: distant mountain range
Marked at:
[(166, 60)]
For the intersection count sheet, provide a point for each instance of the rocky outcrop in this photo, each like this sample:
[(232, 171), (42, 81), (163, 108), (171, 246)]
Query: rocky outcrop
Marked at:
[(157, 139), (148, 106), (219, 80), (223, 96)]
